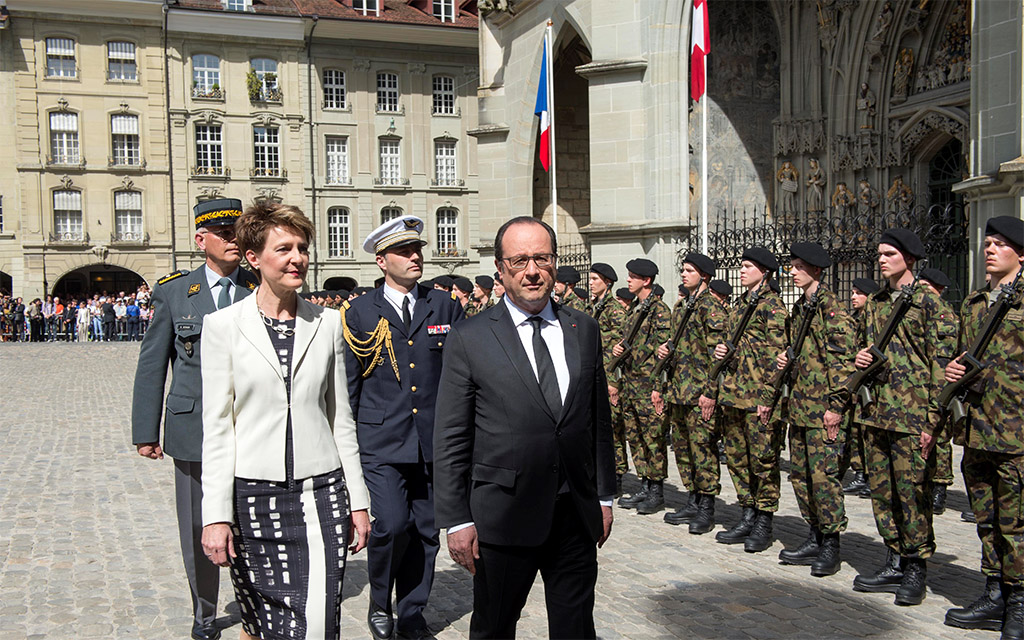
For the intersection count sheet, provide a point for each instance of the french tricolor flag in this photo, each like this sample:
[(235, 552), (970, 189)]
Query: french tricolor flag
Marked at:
[(541, 110)]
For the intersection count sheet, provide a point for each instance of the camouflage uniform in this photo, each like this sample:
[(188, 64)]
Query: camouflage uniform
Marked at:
[(853, 450), (948, 329), (694, 440), (905, 404), (610, 322), (751, 448), (993, 463), (823, 365), (645, 430), (573, 301), (474, 307)]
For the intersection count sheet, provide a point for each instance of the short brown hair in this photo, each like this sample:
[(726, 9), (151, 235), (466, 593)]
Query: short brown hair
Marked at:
[(252, 227)]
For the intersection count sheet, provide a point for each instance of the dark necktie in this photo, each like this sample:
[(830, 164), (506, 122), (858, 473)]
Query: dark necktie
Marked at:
[(406, 316), (545, 369), (225, 293)]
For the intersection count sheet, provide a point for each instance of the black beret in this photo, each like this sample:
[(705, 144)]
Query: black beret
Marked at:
[(625, 294), (484, 282), (463, 284), (497, 276), (905, 240), (604, 270), (344, 293), (721, 287), (703, 263), (763, 257), (774, 286), (812, 253), (935, 277), (642, 267), (658, 290), (444, 281), (581, 292), (568, 275), (1009, 227), (867, 286)]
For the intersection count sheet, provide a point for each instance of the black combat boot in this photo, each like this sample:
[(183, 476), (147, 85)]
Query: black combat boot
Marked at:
[(806, 553), (704, 521), (630, 501), (683, 514), (886, 579), (984, 613), (828, 561), (858, 484), (655, 500), (912, 588), (939, 499), (968, 516), (760, 537), (739, 531), (1013, 619)]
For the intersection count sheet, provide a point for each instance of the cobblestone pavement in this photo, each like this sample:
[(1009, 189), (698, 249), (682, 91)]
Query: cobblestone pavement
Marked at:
[(88, 545)]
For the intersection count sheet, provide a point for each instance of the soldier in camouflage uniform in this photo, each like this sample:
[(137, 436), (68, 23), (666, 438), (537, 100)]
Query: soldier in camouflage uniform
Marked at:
[(645, 427), (694, 439), (462, 288), (480, 298), (817, 401), (567, 277), (610, 317), (993, 462), (899, 422), (854, 449), (752, 444)]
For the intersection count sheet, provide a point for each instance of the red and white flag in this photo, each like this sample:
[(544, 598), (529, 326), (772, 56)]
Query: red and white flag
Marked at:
[(541, 110), (700, 44)]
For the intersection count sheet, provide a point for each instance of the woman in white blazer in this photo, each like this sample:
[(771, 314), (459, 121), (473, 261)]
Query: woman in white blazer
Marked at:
[(283, 491)]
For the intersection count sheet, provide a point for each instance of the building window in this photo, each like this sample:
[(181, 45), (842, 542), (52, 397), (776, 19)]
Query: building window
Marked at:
[(338, 234), (447, 230), (387, 214), (387, 92), (263, 80), (64, 138), (334, 89), (444, 95), (337, 160), (390, 162), (67, 215), (125, 140), (238, 5), (444, 162), (444, 10), (267, 152), (60, 58), (128, 216), (206, 76), (121, 62), (367, 7), (209, 152)]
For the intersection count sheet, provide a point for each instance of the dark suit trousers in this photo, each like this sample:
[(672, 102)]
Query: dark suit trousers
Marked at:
[(567, 562), (403, 540), (203, 575)]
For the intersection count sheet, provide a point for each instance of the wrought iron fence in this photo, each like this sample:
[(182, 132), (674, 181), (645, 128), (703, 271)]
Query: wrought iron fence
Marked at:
[(576, 255), (849, 235)]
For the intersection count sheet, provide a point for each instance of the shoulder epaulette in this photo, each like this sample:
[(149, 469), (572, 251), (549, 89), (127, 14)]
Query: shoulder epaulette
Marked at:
[(173, 276), (453, 295)]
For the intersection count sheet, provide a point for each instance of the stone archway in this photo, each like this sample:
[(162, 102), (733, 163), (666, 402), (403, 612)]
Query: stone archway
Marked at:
[(96, 278), (6, 283), (338, 283)]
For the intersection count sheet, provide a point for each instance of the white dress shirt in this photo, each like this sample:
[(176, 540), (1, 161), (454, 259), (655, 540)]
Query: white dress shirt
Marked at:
[(394, 296), (212, 281)]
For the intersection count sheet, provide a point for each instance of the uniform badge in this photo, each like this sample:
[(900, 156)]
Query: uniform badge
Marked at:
[(194, 289), (411, 223), (252, 286), (438, 329)]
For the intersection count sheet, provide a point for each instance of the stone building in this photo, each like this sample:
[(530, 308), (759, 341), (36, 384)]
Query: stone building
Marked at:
[(356, 110)]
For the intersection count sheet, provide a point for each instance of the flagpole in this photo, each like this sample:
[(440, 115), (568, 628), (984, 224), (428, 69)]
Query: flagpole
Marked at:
[(551, 125), (704, 166)]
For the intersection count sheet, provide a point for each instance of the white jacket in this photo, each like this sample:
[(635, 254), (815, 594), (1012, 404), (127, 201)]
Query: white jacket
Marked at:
[(245, 404)]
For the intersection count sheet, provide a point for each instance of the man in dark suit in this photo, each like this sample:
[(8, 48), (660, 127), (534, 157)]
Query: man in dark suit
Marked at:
[(396, 335), (523, 459), (180, 301)]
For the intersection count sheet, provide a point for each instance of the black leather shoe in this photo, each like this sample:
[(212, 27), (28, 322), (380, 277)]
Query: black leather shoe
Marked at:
[(984, 613), (885, 580), (739, 532), (414, 634), (683, 514), (1013, 619), (655, 500), (630, 501), (704, 521), (939, 499), (912, 588), (806, 553), (760, 537), (828, 561), (205, 631), (857, 484), (381, 623)]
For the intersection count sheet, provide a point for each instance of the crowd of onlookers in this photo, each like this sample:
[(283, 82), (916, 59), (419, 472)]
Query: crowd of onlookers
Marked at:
[(99, 317)]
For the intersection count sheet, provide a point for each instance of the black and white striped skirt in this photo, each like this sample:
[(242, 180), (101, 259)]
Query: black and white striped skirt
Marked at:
[(290, 539)]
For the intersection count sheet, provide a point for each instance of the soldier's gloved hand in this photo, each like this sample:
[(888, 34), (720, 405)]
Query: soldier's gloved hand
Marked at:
[(663, 351), (781, 361), (955, 370), (721, 351), (707, 407), (832, 421), (659, 403)]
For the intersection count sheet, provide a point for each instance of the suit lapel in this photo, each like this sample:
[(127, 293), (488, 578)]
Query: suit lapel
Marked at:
[(305, 328), (201, 298), (385, 310), (571, 340), (509, 340), (252, 328), (423, 309)]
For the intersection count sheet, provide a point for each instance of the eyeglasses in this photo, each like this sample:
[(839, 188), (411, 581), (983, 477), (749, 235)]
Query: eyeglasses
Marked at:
[(542, 260), (227, 234)]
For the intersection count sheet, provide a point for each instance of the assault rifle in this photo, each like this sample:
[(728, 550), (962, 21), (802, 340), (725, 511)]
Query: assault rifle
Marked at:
[(668, 363), (859, 384), (737, 334), (954, 394), (599, 307), (784, 377), (627, 343)]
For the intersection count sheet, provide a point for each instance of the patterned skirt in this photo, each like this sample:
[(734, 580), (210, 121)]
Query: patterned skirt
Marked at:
[(291, 542)]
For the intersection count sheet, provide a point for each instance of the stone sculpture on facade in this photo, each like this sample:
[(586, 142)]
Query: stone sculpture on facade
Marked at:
[(868, 197), (901, 75), (843, 199), (815, 186), (900, 196), (866, 106), (787, 178), (882, 22)]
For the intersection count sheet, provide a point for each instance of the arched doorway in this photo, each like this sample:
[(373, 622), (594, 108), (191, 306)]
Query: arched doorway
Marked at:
[(97, 278), (6, 283), (340, 282)]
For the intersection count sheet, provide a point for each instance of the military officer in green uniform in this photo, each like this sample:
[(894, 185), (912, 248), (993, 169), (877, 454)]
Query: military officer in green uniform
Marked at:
[(993, 462), (899, 422), (854, 457), (694, 439), (482, 286), (645, 426), (180, 302), (565, 279), (610, 316), (815, 408)]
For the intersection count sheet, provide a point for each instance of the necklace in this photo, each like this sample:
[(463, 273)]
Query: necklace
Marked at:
[(282, 329)]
